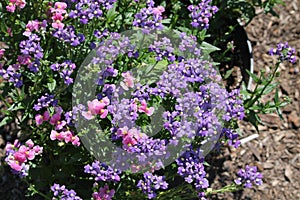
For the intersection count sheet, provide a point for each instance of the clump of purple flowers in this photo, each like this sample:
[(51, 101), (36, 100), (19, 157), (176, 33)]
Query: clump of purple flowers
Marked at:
[(66, 69), (163, 49), (62, 193), (45, 101), (190, 167), (248, 176), (68, 35), (149, 18), (285, 52), (12, 74), (87, 10), (32, 53), (152, 183), (201, 14), (102, 172)]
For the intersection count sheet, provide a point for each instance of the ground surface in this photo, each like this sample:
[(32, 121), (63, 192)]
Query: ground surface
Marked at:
[(277, 149)]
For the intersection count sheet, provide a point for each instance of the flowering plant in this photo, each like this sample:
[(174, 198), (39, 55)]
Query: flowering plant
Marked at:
[(90, 82)]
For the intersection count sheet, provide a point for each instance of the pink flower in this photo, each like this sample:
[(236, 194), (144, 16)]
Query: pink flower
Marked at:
[(20, 3), (16, 165), (31, 26), (55, 120), (29, 143), (87, 115), (37, 150), (9, 31), (75, 140), (20, 157), (39, 119), (11, 7), (122, 131), (96, 107), (57, 21), (128, 81), (57, 136), (158, 10), (144, 109), (60, 7)]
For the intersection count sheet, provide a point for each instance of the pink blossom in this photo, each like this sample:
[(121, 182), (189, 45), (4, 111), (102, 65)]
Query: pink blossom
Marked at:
[(16, 165), (96, 107), (75, 140), (57, 136), (24, 59), (128, 80), (9, 31), (87, 115), (29, 143), (122, 131), (144, 109), (158, 10), (60, 7), (37, 149), (55, 118), (31, 26), (21, 3), (20, 157), (11, 7), (39, 119)]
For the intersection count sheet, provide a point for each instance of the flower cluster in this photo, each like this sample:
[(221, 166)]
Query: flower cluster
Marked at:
[(232, 137), (18, 155), (248, 176), (66, 136), (284, 51), (102, 172), (62, 193), (57, 14), (104, 193), (45, 101), (149, 18), (32, 52), (201, 14), (12, 74), (96, 107), (65, 70), (68, 35), (152, 183), (88, 10), (34, 25), (163, 49), (190, 166), (13, 4)]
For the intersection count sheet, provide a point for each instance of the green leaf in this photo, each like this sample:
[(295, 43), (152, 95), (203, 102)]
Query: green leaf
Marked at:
[(51, 85), (254, 77), (228, 73), (208, 48), (6, 120)]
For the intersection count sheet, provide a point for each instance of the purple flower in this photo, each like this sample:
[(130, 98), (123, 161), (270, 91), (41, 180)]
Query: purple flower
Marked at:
[(60, 192), (44, 102), (102, 172), (248, 176), (151, 183), (285, 52), (201, 14), (148, 19), (86, 11), (66, 69), (68, 35)]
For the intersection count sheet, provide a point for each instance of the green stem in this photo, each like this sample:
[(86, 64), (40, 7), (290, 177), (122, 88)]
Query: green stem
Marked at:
[(228, 188), (252, 101), (32, 188)]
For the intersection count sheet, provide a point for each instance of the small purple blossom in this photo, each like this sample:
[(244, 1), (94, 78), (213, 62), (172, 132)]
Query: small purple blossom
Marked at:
[(285, 52), (45, 101), (102, 172), (62, 193), (201, 14), (248, 176), (151, 183), (68, 35)]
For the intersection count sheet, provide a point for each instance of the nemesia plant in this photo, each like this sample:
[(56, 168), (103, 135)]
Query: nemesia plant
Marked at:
[(151, 73)]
